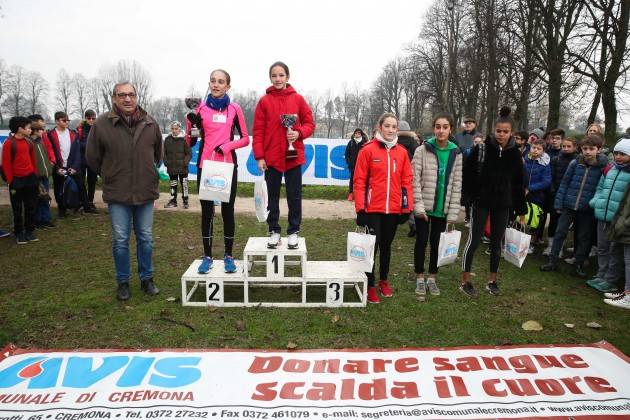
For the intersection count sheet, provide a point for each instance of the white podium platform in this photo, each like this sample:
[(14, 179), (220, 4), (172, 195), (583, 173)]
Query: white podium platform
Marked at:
[(280, 277)]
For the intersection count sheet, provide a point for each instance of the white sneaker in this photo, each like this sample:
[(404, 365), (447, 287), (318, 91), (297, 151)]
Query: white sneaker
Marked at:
[(570, 260), (274, 240), (547, 249), (530, 250), (623, 302), (593, 252), (613, 295), (293, 241)]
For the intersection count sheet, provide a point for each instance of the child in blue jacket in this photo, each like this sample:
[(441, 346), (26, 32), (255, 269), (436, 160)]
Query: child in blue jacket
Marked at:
[(537, 178), (608, 197), (572, 202)]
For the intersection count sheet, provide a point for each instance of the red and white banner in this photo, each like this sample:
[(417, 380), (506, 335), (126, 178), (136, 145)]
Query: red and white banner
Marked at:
[(583, 381)]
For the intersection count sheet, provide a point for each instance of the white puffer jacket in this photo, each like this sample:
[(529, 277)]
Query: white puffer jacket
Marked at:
[(425, 180)]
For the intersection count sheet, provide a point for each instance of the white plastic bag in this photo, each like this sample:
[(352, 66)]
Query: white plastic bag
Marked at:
[(360, 250), (216, 181), (261, 200), (516, 246), (449, 247)]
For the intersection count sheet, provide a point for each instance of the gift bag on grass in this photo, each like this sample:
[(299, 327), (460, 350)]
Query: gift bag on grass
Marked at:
[(360, 249), (261, 199), (516, 246), (216, 181), (448, 247)]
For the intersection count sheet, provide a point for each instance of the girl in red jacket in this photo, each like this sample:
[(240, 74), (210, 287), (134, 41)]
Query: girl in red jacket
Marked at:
[(273, 133), (382, 192)]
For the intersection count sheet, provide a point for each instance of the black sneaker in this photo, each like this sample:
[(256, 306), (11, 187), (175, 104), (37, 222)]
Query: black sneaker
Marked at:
[(549, 267), (149, 288), (50, 225), (412, 232), (20, 239), (30, 236), (171, 204), (123, 291), (185, 205), (468, 289), (90, 210), (493, 288), (579, 271)]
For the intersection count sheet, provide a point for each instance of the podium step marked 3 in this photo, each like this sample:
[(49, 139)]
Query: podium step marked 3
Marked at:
[(334, 276)]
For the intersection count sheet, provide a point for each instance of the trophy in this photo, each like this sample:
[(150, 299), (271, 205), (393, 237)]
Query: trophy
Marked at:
[(192, 104), (288, 121)]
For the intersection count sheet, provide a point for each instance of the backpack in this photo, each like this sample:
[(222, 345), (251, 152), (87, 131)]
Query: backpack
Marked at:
[(70, 193)]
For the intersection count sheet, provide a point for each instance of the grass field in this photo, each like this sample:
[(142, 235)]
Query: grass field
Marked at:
[(59, 293)]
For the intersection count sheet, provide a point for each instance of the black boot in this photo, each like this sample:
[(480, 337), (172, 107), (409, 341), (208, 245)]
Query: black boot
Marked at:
[(579, 271), (550, 266), (123, 291), (412, 232), (148, 287)]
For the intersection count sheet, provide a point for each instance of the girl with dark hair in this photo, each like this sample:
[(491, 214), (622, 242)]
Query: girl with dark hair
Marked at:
[(356, 143), (282, 121), (493, 184), (382, 185)]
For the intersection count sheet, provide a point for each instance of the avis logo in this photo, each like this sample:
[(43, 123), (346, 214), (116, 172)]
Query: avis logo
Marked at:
[(83, 372), (358, 253), (215, 182)]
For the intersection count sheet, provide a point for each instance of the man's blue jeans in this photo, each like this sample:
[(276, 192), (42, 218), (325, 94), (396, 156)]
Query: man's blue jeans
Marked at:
[(122, 216)]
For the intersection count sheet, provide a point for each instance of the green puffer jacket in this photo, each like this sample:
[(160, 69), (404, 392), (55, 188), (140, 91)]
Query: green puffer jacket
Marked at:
[(177, 155), (609, 193), (619, 230), (44, 165)]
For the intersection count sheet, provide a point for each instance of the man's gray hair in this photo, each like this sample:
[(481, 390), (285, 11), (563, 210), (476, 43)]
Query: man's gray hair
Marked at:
[(126, 82)]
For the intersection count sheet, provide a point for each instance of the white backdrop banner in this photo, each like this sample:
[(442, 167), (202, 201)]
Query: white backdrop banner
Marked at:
[(567, 381)]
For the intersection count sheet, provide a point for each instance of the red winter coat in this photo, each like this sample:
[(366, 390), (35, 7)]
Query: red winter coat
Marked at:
[(270, 136), (382, 177)]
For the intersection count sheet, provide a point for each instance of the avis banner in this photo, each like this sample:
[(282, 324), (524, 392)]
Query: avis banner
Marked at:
[(582, 381)]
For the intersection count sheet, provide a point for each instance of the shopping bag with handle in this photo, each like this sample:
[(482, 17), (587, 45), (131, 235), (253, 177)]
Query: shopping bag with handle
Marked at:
[(216, 181), (261, 199), (448, 247), (516, 245), (360, 249)]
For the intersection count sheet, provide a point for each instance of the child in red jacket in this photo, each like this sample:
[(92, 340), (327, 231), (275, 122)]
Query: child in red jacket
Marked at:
[(19, 170), (383, 192), (282, 121)]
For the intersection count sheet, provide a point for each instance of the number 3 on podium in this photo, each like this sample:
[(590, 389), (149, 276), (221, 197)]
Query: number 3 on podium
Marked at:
[(214, 292), (334, 293)]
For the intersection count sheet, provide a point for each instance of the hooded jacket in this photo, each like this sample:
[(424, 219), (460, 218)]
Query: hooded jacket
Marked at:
[(619, 230), (559, 166), (579, 183), (425, 180), (177, 155), (383, 179), (498, 181), (610, 192), (465, 139), (538, 178), (270, 136), (126, 157), (409, 140), (353, 148)]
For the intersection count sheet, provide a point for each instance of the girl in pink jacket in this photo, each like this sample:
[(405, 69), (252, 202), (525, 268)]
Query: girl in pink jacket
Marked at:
[(219, 119)]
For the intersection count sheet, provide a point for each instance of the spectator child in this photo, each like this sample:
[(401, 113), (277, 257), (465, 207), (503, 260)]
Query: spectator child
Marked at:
[(520, 137), (177, 155), (43, 218), (537, 178), (559, 166), (572, 202), (493, 184), (270, 145), (83, 130), (437, 183), (19, 168), (356, 143), (383, 170), (556, 136), (477, 139), (606, 202)]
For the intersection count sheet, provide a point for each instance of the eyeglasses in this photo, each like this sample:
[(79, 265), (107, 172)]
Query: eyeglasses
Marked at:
[(121, 95), (90, 118), (64, 120)]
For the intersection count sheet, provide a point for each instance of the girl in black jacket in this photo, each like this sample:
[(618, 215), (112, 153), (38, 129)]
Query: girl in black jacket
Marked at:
[(493, 183), (356, 143)]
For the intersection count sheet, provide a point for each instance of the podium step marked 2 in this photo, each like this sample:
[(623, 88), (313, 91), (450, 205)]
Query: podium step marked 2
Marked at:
[(334, 276)]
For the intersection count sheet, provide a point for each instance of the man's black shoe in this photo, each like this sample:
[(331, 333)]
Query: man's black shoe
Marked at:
[(579, 271), (549, 267), (149, 288), (123, 291)]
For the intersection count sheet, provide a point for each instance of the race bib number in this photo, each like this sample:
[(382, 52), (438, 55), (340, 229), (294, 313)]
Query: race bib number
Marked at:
[(218, 118)]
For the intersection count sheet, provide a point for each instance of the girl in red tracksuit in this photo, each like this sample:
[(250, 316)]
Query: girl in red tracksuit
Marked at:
[(382, 192), (270, 145)]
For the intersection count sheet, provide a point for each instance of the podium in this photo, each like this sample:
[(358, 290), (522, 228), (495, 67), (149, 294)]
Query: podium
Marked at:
[(279, 277)]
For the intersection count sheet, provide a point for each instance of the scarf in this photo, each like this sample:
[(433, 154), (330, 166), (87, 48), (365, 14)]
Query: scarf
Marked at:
[(357, 140), (388, 144), (130, 120), (218, 104)]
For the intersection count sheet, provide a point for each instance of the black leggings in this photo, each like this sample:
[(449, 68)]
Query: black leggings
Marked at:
[(383, 226), (227, 214), (435, 226), (498, 224), (183, 180)]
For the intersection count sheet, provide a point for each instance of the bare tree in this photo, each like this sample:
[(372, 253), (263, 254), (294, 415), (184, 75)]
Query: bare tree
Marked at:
[(14, 102), (94, 95), (125, 70), (36, 87), (81, 87), (4, 79), (64, 91)]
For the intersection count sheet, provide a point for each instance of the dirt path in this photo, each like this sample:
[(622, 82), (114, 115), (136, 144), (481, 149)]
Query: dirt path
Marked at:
[(311, 209)]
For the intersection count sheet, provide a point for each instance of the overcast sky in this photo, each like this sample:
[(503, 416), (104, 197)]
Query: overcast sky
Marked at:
[(324, 42)]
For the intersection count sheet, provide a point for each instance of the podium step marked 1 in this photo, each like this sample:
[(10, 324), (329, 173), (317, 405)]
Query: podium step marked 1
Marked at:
[(334, 276)]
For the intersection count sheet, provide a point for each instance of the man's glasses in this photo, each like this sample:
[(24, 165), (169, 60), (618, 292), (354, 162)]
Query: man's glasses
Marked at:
[(64, 120), (122, 95)]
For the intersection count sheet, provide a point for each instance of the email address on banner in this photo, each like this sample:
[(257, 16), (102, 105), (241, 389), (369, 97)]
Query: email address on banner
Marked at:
[(448, 412)]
